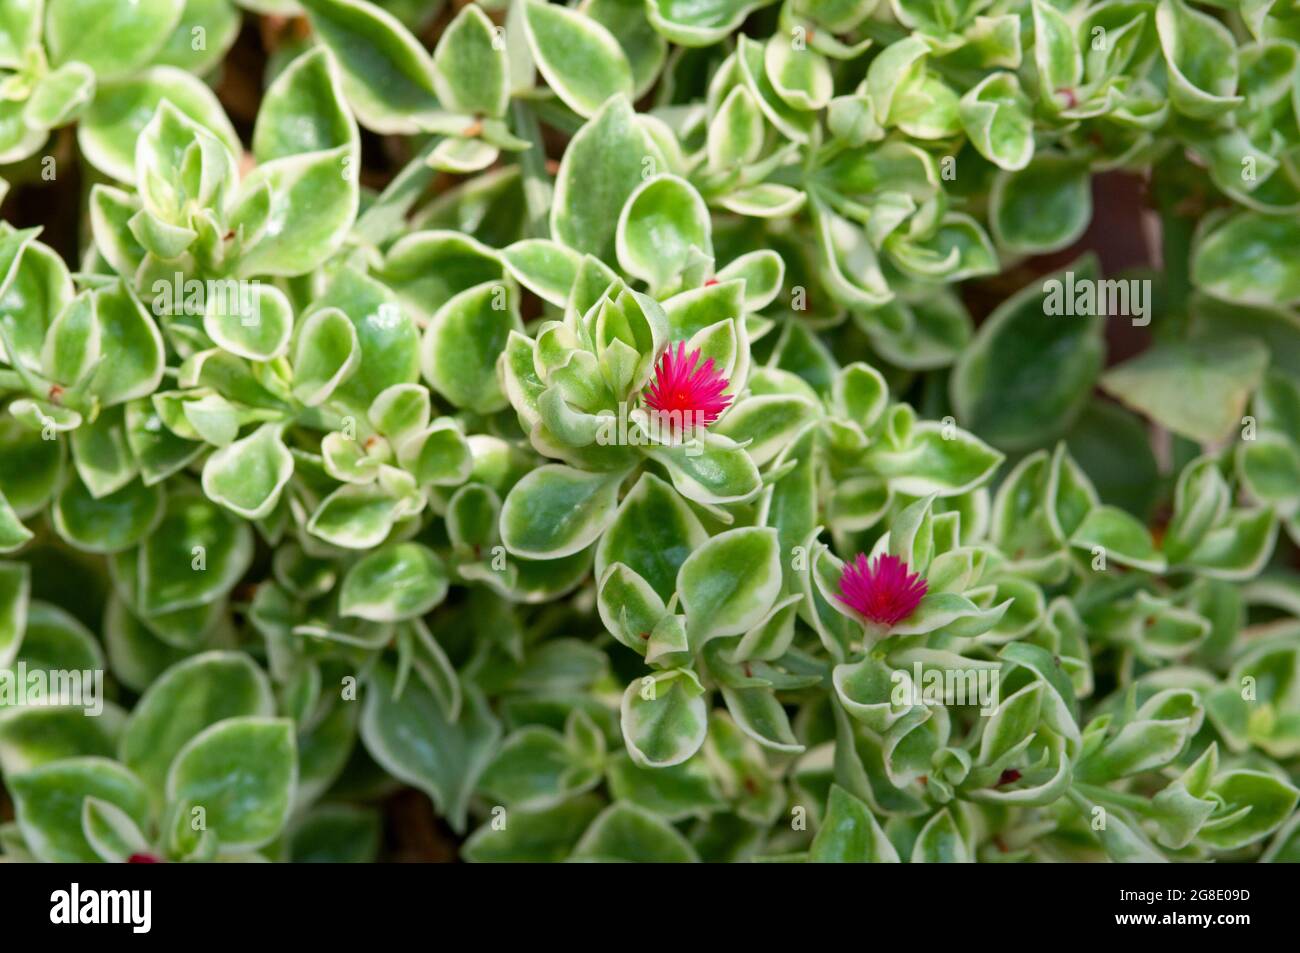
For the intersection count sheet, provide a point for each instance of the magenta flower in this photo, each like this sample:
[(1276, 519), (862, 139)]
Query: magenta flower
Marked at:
[(690, 392), (884, 591)]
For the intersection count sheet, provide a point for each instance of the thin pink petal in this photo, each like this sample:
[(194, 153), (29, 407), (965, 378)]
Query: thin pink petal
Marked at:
[(884, 591), (683, 386)]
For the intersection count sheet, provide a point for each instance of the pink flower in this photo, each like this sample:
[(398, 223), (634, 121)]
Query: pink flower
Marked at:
[(885, 591), (687, 389)]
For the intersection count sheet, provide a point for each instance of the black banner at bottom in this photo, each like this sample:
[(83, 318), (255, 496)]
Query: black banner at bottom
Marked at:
[(215, 903)]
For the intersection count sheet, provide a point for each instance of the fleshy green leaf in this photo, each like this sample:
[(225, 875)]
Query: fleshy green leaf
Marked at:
[(399, 582), (556, 510), (728, 585), (241, 772), (580, 60)]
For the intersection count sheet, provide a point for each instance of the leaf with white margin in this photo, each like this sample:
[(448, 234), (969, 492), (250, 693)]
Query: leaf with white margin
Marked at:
[(659, 225), (1042, 782), (996, 116), (185, 699), (436, 671), (194, 533), (1056, 53), (601, 167), (400, 411), (685, 791), (411, 738), (765, 200), (303, 110), (763, 272), (955, 614), (1024, 379), (1042, 207), (124, 38), (849, 265), (106, 524), (132, 348), (939, 460), (438, 455), (425, 269), (1011, 726), (664, 718), (766, 423), (1123, 539), (35, 287), (544, 836), (462, 156), (101, 455), (535, 769), (556, 511), (326, 354), (860, 393), (108, 131), (760, 716), (13, 534), (356, 517), (868, 689), (1227, 263), (801, 77), (941, 842), (652, 534), (135, 655), (1198, 389), (794, 124), (17, 140), (772, 637), (254, 323), (15, 592), (216, 21), (111, 213), (1269, 798), (110, 831), (20, 27), (1270, 471), (48, 804), (1122, 841), (1201, 59), (692, 24), (314, 201), (387, 75), (544, 267), (931, 332), (850, 834), (248, 475), (470, 72), (625, 832), (711, 471), (1152, 738), (242, 772), (1070, 494), (581, 61), (385, 329), (1059, 706), (735, 135), (463, 342), (71, 348), (728, 585), (1239, 548), (630, 609), (60, 96), (399, 582)]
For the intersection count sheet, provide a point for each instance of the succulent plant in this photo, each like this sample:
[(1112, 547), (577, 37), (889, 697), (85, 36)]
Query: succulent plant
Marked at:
[(652, 430)]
